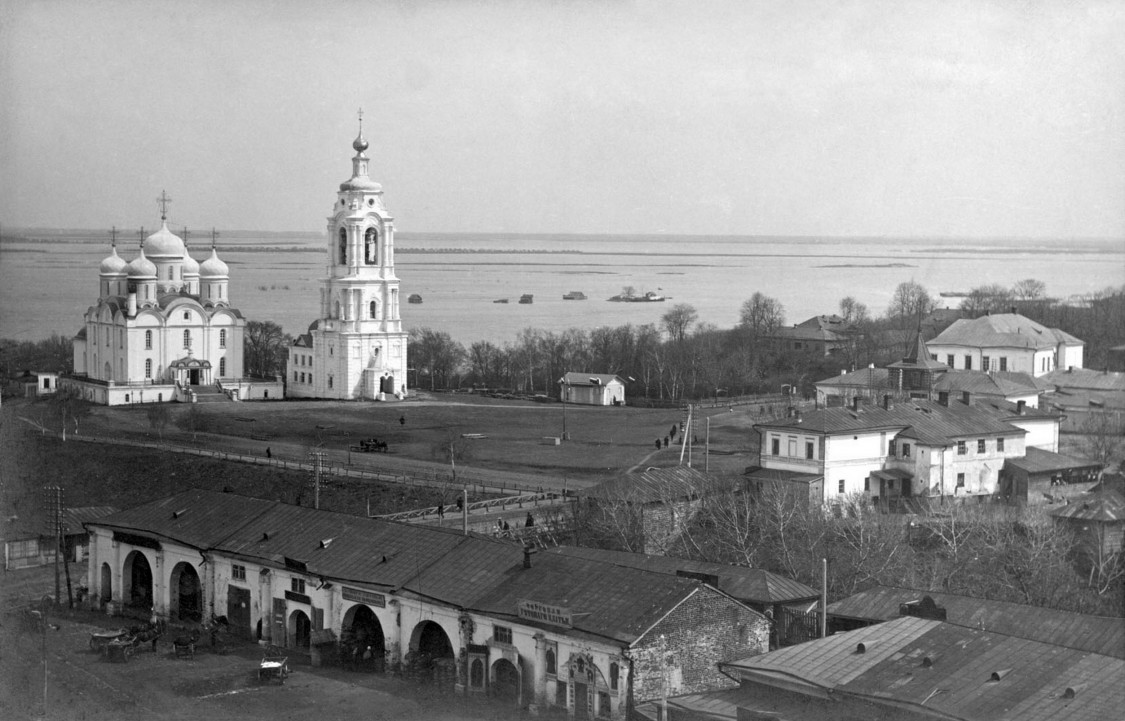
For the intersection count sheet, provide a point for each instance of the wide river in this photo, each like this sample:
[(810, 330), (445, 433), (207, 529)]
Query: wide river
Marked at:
[(47, 279)]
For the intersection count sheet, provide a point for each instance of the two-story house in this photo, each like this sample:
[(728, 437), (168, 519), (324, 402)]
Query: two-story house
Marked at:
[(917, 447), (1006, 342)]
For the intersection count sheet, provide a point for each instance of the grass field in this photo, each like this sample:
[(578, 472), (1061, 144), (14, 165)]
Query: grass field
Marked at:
[(604, 442)]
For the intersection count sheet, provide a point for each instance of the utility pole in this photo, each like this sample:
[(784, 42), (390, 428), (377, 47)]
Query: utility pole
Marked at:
[(319, 456), (707, 448), (465, 511)]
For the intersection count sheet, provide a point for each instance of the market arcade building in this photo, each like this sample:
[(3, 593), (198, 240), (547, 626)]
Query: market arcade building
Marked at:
[(482, 615)]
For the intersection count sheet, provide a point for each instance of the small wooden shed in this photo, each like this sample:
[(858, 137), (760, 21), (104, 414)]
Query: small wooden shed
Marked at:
[(592, 389)]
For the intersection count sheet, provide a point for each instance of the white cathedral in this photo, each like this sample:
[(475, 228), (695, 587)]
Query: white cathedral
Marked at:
[(356, 349), (162, 328)]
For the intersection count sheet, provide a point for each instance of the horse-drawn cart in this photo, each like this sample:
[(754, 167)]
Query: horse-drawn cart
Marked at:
[(100, 640), (273, 668), (121, 649)]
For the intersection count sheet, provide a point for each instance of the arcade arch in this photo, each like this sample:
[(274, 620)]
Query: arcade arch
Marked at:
[(300, 630), (136, 581), (364, 646), (185, 601)]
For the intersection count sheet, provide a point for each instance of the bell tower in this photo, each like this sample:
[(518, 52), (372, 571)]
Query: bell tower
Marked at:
[(357, 348)]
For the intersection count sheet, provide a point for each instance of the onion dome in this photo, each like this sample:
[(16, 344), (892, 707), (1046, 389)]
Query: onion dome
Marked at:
[(213, 267), (190, 265), (360, 143), (113, 265), (165, 243), (141, 267)]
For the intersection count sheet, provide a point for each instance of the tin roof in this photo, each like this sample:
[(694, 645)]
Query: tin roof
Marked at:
[(862, 378), (927, 421), (948, 670), (752, 585), (1097, 634), (74, 518), (1038, 460), (996, 383), (1107, 506), (1003, 330), (1086, 379), (195, 517), (654, 485), (589, 379)]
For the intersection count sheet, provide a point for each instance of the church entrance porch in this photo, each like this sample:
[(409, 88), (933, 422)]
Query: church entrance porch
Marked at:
[(191, 371)]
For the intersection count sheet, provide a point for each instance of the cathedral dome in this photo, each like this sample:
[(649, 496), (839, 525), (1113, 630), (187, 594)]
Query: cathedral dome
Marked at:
[(141, 267), (213, 267), (190, 266), (165, 243), (113, 265)]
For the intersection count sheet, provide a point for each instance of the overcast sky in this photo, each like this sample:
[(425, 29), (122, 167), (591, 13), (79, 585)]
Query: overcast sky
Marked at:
[(793, 118)]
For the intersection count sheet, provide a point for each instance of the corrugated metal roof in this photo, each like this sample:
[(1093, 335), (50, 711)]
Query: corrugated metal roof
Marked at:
[(1107, 506), (1003, 330), (1097, 634), (862, 378), (753, 585), (75, 517), (1030, 682)]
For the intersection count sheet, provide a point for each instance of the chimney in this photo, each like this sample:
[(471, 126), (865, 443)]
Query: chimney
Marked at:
[(527, 551), (888, 402), (967, 398), (1070, 369), (799, 419), (943, 398), (1020, 405)]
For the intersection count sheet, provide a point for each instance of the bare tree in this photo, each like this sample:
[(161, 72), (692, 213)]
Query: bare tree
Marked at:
[(266, 349), (993, 298), (761, 315), (1029, 289), (678, 321), (1102, 435)]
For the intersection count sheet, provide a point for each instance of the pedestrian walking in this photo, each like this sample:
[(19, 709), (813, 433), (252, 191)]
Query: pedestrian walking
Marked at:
[(530, 520), (672, 433), (658, 444), (268, 454), (441, 510), (402, 420), (665, 441)]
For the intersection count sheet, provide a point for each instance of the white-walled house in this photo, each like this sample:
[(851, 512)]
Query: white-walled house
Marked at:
[(1006, 342), (480, 614), (911, 448), (592, 389)]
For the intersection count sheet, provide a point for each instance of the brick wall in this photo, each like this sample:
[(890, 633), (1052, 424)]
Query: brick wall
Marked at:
[(704, 630)]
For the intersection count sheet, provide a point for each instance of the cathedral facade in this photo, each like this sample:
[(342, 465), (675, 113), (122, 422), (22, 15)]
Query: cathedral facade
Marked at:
[(162, 328), (356, 348)]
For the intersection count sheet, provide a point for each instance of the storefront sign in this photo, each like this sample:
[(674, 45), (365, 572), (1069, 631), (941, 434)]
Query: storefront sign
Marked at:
[(368, 597), (545, 612)]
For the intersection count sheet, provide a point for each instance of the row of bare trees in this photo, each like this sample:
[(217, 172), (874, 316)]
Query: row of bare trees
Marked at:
[(998, 552)]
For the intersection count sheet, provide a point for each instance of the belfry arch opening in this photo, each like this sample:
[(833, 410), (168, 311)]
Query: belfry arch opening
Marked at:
[(185, 593), (136, 581), (371, 247), (363, 646)]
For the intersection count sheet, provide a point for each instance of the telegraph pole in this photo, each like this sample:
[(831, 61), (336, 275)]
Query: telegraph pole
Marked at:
[(319, 456)]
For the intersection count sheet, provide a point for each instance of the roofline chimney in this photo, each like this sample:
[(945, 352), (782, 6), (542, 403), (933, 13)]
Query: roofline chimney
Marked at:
[(943, 398), (967, 398), (527, 551)]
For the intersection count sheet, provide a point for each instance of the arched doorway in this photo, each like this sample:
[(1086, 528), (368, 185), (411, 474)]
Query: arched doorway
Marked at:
[(186, 593), (105, 588), (506, 681), (300, 630), (136, 581), (362, 644), (431, 653)]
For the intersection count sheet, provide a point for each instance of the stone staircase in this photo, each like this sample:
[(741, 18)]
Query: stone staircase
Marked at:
[(210, 394)]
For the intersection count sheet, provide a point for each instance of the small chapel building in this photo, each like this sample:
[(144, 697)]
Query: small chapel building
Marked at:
[(356, 348), (162, 328)]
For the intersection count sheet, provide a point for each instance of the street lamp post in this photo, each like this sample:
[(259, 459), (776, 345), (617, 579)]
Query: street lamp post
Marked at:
[(566, 394)]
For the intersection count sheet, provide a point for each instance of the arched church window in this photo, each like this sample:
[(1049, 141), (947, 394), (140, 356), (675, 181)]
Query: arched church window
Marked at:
[(223, 338), (148, 340), (551, 667), (222, 367), (371, 247), (374, 310), (187, 339), (148, 367), (343, 246), (614, 672)]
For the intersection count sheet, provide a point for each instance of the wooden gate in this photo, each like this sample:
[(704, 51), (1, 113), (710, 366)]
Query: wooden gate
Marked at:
[(794, 627)]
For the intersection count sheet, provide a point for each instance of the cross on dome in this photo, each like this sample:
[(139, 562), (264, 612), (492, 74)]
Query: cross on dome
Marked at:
[(163, 200)]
